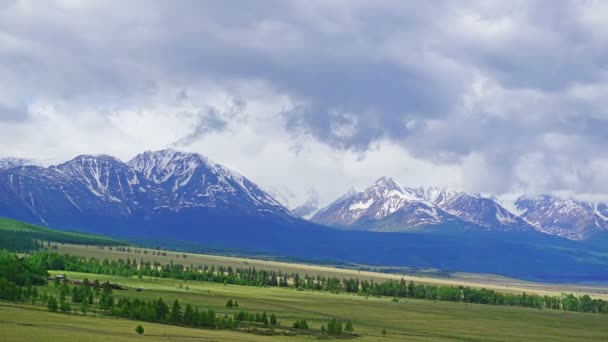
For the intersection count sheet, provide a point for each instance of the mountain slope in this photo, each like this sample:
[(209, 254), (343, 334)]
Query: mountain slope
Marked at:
[(388, 206), (174, 196), (384, 200), (306, 210), (103, 193), (21, 236), (7, 163), (190, 179), (483, 211), (568, 218)]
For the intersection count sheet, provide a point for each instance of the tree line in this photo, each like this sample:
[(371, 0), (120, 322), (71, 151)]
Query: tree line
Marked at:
[(254, 277), (87, 295), (18, 277)]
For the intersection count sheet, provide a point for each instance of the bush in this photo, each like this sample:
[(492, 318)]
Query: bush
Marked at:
[(139, 329)]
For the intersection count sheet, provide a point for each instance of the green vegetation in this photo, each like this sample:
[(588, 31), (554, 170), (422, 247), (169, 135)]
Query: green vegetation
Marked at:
[(301, 324), (139, 329), (188, 301), (253, 277), (20, 236), (410, 319), (30, 271)]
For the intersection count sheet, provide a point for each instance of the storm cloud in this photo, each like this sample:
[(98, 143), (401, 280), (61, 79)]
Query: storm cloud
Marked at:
[(493, 96)]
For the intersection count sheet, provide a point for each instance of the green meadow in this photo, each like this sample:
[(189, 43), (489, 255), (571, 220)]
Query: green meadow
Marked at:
[(406, 320)]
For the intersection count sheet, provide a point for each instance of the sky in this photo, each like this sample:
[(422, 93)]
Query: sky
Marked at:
[(311, 98)]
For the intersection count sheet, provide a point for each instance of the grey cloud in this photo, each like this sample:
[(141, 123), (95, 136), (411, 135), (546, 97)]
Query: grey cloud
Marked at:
[(213, 120), (358, 72), (13, 113)]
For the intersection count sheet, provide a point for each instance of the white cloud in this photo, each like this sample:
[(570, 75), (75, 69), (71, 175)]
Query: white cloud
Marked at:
[(485, 96)]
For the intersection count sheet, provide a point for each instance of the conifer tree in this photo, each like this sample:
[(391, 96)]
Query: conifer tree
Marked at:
[(349, 327), (176, 315)]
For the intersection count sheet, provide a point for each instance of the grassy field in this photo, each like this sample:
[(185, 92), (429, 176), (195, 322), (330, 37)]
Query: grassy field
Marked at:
[(407, 320), (501, 284), (26, 230), (29, 323)]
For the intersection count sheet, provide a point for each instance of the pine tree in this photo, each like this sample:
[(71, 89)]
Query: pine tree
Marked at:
[(339, 328), (176, 315), (64, 306), (52, 304), (331, 327), (34, 295), (84, 307), (273, 320), (188, 315), (349, 327)]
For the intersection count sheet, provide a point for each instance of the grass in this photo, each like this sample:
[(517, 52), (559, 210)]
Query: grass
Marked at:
[(29, 323), (31, 231), (409, 320), (501, 284), (405, 320)]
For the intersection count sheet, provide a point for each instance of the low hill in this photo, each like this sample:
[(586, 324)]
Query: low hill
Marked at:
[(21, 236)]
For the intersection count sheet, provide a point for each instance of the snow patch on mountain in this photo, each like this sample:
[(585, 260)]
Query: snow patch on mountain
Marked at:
[(569, 218), (381, 200), (152, 182)]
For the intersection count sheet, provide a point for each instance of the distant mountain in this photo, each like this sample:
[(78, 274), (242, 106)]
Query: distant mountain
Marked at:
[(7, 163), (568, 218), (191, 180), (389, 206), (306, 210), (107, 195), (174, 198), (478, 209)]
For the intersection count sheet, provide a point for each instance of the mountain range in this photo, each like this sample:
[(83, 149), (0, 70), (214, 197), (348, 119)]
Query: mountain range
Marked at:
[(388, 206), (104, 193), (168, 196)]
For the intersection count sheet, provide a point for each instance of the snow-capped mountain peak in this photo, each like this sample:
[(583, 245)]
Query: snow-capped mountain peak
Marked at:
[(196, 180), (387, 205), (382, 199), (153, 184), (480, 209), (160, 166), (568, 217)]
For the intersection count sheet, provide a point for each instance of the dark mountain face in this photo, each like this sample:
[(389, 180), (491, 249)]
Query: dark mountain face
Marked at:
[(103, 193)]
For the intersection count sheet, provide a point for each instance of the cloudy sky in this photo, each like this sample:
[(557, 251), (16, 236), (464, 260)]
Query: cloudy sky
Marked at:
[(309, 98)]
